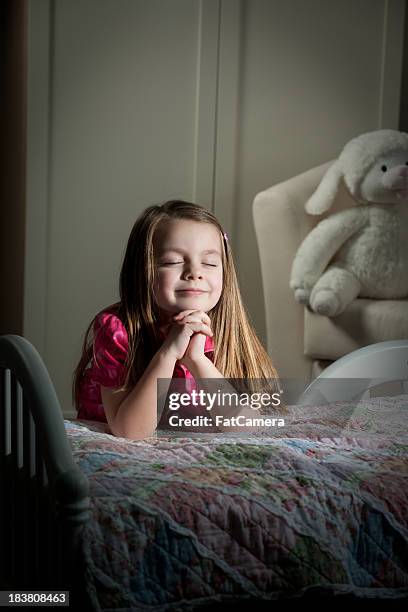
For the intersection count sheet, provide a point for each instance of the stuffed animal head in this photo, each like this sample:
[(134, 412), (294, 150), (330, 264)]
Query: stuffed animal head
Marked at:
[(374, 167)]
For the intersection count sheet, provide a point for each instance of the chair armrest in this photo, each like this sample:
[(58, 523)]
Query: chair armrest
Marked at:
[(281, 223)]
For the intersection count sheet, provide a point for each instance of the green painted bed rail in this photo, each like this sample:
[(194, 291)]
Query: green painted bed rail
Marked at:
[(44, 495)]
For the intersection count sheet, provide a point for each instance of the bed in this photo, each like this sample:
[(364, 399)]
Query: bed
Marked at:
[(315, 511)]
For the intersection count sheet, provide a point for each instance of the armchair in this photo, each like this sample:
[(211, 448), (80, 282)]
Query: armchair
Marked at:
[(301, 342)]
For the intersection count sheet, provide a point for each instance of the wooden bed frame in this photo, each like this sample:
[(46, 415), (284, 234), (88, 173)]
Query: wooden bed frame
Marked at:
[(44, 495)]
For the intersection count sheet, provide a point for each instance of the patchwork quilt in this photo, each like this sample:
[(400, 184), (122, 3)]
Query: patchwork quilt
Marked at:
[(184, 521)]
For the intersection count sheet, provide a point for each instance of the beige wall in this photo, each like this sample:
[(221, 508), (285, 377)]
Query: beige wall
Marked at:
[(132, 102)]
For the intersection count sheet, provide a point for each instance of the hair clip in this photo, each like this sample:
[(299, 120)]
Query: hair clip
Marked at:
[(225, 237)]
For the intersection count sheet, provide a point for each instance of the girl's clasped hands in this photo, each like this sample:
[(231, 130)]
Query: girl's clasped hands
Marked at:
[(187, 335)]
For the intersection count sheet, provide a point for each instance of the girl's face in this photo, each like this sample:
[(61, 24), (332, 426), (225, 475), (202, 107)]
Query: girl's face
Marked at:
[(188, 266)]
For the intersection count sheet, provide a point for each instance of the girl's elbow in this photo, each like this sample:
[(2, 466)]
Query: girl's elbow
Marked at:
[(130, 433)]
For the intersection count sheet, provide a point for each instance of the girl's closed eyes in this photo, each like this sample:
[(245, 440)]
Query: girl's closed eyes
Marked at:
[(174, 263), (213, 261)]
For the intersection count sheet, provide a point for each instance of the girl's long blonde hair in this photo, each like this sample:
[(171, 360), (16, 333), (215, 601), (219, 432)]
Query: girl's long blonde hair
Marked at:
[(238, 352)]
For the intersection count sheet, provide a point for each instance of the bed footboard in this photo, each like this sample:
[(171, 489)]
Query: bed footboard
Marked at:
[(44, 495)]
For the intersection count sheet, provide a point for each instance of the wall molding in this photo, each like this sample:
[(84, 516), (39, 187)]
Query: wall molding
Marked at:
[(227, 120), (391, 64), (206, 102), (217, 111)]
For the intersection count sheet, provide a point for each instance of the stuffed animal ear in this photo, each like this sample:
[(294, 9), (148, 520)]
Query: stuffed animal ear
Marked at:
[(323, 197)]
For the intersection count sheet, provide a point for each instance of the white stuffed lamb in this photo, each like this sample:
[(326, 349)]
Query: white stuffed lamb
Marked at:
[(361, 251)]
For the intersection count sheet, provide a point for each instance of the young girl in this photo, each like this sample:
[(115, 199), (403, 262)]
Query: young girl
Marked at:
[(180, 315)]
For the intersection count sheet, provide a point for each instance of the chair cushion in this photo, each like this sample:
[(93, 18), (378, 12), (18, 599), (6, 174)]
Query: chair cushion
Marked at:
[(364, 322)]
